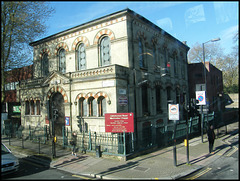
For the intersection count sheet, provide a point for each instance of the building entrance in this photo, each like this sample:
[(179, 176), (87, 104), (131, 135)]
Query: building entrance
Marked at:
[(56, 103)]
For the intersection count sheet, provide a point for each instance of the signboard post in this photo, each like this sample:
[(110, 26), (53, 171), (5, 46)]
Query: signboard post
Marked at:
[(173, 114), (201, 97), (119, 122)]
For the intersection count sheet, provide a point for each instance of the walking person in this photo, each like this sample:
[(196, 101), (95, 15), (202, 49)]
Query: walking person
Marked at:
[(74, 143), (211, 138)]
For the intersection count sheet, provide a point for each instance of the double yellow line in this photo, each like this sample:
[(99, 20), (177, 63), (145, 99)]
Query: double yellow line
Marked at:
[(199, 174), (83, 177), (232, 151)]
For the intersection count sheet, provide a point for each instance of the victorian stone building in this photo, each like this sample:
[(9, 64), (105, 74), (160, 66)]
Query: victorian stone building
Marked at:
[(118, 63)]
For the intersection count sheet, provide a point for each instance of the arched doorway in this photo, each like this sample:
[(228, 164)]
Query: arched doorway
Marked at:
[(56, 102)]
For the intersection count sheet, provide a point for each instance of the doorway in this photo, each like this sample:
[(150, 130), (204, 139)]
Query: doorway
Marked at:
[(57, 102)]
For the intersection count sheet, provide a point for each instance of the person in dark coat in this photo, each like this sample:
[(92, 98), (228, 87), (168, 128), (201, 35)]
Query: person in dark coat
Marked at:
[(74, 143), (211, 138)]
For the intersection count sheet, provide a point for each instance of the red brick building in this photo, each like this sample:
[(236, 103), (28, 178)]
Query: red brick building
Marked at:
[(214, 84), (11, 102)]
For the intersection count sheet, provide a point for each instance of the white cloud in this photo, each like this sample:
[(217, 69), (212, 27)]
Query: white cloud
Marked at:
[(153, 5), (227, 37), (165, 24), (194, 15), (225, 11)]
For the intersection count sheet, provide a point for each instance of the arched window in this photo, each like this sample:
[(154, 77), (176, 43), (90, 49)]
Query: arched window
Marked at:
[(27, 108), (101, 106), (169, 94), (45, 65), (82, 107), (158, 99), (141, 55), (177, 96), (62, 61), (105, 53), (81, 57), (166, 62), (92, 106), (32, 107), (145, 99), (38, 107), (154, 55), (175, 63)]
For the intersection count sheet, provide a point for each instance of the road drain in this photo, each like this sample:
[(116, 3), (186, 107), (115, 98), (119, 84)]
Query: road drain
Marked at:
[(141, 169)]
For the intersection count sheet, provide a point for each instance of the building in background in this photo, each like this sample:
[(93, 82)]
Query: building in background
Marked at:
[(119, 63), (11, 106), (214, 85)]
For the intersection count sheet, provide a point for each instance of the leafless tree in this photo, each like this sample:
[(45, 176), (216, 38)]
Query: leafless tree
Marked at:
[(21, 23)]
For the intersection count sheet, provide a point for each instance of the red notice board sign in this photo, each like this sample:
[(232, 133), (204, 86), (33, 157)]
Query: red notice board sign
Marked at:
[(119, 122)]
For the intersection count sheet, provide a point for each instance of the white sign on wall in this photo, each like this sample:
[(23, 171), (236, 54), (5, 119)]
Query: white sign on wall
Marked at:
[(108, 83), (122, 91)]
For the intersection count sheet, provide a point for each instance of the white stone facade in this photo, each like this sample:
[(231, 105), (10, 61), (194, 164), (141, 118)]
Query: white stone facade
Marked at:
[(141, 83)]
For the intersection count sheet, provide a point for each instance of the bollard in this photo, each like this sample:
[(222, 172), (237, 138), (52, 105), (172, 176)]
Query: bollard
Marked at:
[(9, 139), (39, 145), (22, 141), (54, 147), (98, 151), (185, 142)]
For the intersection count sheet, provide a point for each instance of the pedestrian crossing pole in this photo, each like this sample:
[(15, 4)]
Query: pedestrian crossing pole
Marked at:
[(186, 142), (54, 116), (53, 141)]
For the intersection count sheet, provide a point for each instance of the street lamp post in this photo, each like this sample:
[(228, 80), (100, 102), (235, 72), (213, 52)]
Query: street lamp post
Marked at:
[(205, 82)]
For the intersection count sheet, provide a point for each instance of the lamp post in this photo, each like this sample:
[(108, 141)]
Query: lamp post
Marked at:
[(205, 81), (213, 40)]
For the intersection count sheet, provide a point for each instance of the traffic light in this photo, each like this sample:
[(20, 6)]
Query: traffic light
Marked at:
[(55, 113)]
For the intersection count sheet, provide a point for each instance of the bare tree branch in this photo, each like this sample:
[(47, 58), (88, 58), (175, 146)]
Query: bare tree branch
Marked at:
[(22, 22)]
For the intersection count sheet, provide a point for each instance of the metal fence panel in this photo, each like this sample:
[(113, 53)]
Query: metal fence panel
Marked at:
[(120, 143)]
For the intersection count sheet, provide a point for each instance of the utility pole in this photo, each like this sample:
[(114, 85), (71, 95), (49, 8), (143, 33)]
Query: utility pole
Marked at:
[(202, 118), (205, 81), (187, 141)]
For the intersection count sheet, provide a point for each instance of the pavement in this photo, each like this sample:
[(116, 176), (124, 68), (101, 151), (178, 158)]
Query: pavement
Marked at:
[(155, 165)]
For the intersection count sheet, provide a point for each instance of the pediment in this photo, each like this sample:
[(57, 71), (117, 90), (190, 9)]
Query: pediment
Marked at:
[(55, 78)]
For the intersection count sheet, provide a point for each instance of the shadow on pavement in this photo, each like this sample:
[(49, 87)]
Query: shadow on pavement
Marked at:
[(119, 168), (71, 161)]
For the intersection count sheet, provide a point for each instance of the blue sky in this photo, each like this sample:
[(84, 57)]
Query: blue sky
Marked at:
[(193, 22)]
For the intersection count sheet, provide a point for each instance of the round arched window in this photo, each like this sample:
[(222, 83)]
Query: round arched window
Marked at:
[(105, 51), (81, 57)]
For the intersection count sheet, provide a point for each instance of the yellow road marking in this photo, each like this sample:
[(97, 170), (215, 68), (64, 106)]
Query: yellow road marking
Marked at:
[(83, 177), (232, 151), (199, 174)]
